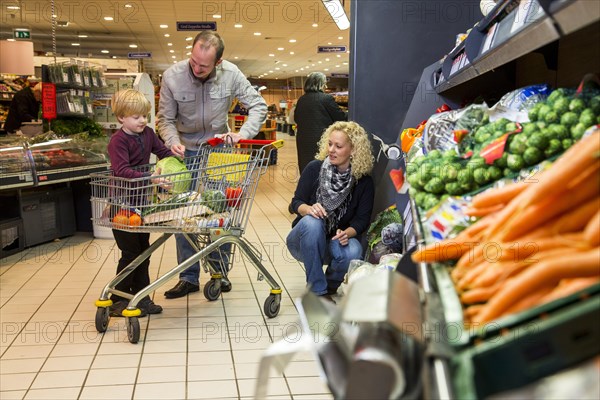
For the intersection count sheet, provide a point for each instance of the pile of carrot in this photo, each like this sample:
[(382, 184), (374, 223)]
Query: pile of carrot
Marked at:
[(536, 241)]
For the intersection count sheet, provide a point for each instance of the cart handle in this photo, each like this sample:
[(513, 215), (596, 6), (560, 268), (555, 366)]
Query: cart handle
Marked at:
[(275, 143)]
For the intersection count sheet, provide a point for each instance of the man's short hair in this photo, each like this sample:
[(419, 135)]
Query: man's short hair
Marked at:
[(208, 39)]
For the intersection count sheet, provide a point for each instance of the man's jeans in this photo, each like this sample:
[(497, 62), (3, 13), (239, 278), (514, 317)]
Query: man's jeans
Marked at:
[(308, 243)]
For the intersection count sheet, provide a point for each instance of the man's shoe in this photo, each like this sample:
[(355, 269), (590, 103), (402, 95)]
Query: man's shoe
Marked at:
[(181, 289), (149, 307), (116, 310), (225, 285)]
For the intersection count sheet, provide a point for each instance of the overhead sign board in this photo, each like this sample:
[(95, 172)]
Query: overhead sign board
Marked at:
[(334, 75), (331, 49), (197, 26), (139, 55), (22, 34)]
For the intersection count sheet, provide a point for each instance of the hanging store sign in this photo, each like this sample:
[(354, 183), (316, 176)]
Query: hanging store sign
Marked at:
[(139, 55), (22, 34), (334, 75), (197, 26), (48, 100), (331, 49)]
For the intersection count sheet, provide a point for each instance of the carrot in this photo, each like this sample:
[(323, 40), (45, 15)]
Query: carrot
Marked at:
[(566, 168), (479, 226), (577, 219), (472, 274), (479, 295), (546, 210), (567, 287), (498, 273), (529, 301), (590, 173), (496, 196), (526, 248), (483, 211), (545, 273), (440, 251), (472, 311), (591, 233)]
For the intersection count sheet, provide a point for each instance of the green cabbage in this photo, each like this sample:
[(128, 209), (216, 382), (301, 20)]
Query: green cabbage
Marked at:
[(182, 178)]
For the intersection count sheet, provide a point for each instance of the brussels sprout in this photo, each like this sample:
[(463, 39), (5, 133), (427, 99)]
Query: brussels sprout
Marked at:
[(558, 131), (594, 104), (554, 147), (561, 105), (544, 109), (577, 105), (568, 119), (577, 131), (538, 140), (529, 128), (501, 162), (551, 117), (510, 127), (518, 144), (515, 162), (434, 154), (566, 143), (481, 176), (587, 117), (533, 155), (453, 188), (464, 176), (494, 173), (435, 185)]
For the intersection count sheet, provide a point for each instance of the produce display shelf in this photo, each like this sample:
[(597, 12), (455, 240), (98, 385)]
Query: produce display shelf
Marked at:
[(572, 15), (48, 177)]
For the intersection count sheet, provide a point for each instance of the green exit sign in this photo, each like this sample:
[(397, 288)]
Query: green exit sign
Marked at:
[(22, 34)]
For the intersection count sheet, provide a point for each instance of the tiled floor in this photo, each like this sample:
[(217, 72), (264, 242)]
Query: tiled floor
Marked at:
[(195, 349)]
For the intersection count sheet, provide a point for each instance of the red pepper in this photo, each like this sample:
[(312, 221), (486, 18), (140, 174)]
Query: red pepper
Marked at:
[(233, 194)]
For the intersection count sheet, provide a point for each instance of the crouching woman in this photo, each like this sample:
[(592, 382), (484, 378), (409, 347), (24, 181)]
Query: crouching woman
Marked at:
[(333, 202)]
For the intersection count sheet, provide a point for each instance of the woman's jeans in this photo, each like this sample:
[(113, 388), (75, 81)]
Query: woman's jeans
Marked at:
[(308, 243)]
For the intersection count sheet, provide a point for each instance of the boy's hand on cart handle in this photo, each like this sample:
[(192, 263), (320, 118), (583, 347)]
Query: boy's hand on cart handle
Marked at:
[(178, 150), (342, 236), (229, 137)]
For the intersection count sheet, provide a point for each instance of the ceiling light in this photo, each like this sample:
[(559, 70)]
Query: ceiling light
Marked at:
[(326, 69), (13, 7), (280, 48), (108, 18), (327, 59), (175, 62), (341, 37), (114, 56), (163, 26), (82, 36), (337, 12), (128, 6), (188, 47), (337, 66), (271, 55), (189, 53), (133, 46), (337, 55), (345, 63), (75, 44), (277, 68), (11, 40), (292, 53), (217, 16), (235, 58), (104, 51), (285, 65), (173, 57), (301, 69), (188, 38), (167, 35), (257, 33), (237, 25), (315, 25), (292, 40), (271, 71), (169, 44), (172, 51), (329, 43)]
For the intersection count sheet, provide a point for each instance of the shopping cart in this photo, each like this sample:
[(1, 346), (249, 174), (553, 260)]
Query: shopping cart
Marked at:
[(209, 203)]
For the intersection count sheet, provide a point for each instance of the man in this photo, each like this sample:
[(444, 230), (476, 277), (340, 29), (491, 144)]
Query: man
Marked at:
[(195, 97), (24, 107)]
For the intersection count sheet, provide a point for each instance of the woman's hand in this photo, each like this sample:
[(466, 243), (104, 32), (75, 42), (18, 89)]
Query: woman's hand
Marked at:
[(342, 236), (316, 210)]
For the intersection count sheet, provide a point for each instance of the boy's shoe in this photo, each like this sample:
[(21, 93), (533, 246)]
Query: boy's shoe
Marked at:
[(147, 305), (116, 310)]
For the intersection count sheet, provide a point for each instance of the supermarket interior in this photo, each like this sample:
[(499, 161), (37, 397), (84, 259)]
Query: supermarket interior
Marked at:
[(479, 267)]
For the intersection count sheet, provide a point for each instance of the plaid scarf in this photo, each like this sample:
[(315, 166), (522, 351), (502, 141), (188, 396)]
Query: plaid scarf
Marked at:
[(334, 193)]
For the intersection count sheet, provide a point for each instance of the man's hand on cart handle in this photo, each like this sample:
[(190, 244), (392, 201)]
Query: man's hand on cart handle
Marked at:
[(178, 150), (162, 182), (229, 137)]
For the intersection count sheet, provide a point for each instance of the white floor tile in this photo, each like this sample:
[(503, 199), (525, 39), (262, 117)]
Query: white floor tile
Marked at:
[(16, 381), (71, 393), (153, 391), (212, 389), (59, 379), (68, 363), (12, 394), (161, 374), (211, 372), (21, 366), (106, 392), (111, 376)]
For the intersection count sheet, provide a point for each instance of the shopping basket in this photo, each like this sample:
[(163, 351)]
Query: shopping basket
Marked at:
[(209, 203)]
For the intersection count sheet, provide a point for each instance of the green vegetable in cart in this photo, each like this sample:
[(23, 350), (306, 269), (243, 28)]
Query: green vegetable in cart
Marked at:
[(578, 130), (430, 201), (413, 180), (551, 117), (476, 162), (561, 105), (450, 172), (554, 147), (464, 177), (215, 200), (529, 128), (177, 173), (481, 176), (494, 173), (566, 143), (569, 119), (518, 144), (558, 131), (587, 117), (532, 156), (510, 127), (453, 188), (534, 112), (507, 172), (450, 154), (556, 95), (538, 140), (577, 105), (435, 185), (544, 109), (515, 162)]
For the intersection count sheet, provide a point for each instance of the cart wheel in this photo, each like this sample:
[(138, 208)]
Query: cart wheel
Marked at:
[(272, 305), (133, 329), (211, 290), (101, 319)]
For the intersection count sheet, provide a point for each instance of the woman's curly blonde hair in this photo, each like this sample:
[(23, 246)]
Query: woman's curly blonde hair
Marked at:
[(362, 151)]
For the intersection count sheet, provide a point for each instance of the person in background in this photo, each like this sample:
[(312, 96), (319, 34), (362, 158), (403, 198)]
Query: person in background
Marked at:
[(128, 147), (24, 107), (314, 112), (333, 202), (195, 97)]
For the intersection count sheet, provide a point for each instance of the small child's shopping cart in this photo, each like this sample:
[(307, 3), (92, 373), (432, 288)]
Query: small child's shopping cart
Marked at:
[(209, 203)]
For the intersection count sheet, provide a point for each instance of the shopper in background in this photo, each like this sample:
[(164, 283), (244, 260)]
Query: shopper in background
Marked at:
[(128, 147), (195, 97), (24, 107), (333, 201), (314, 112)]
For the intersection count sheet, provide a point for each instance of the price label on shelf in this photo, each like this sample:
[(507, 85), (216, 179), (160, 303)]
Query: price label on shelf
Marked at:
[(527, 12), (489, 38)]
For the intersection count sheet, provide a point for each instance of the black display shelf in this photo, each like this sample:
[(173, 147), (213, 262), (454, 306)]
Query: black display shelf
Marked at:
[(47, 177)]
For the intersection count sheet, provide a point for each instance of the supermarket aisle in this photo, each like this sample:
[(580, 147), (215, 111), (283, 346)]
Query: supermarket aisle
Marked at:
[(195, 349)]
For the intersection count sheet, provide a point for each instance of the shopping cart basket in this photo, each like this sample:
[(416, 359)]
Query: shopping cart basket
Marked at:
[(209, 203)]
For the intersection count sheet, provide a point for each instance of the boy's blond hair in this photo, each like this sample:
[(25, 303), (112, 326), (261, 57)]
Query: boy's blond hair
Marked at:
[(130, 102)]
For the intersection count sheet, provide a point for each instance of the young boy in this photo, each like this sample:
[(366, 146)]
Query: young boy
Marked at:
[(131, 146)]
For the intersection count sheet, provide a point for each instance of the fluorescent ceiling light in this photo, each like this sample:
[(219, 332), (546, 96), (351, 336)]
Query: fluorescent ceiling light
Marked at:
[(169, 44), (315, 25), (133, 46), (188, 38), (82, 36), (104, 51), (163, 26), (13, 7), (217, 16), (74, 44), (108, 18), (292, 40), (257, 33), (337, 12), (237, 25), (167, 35)]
